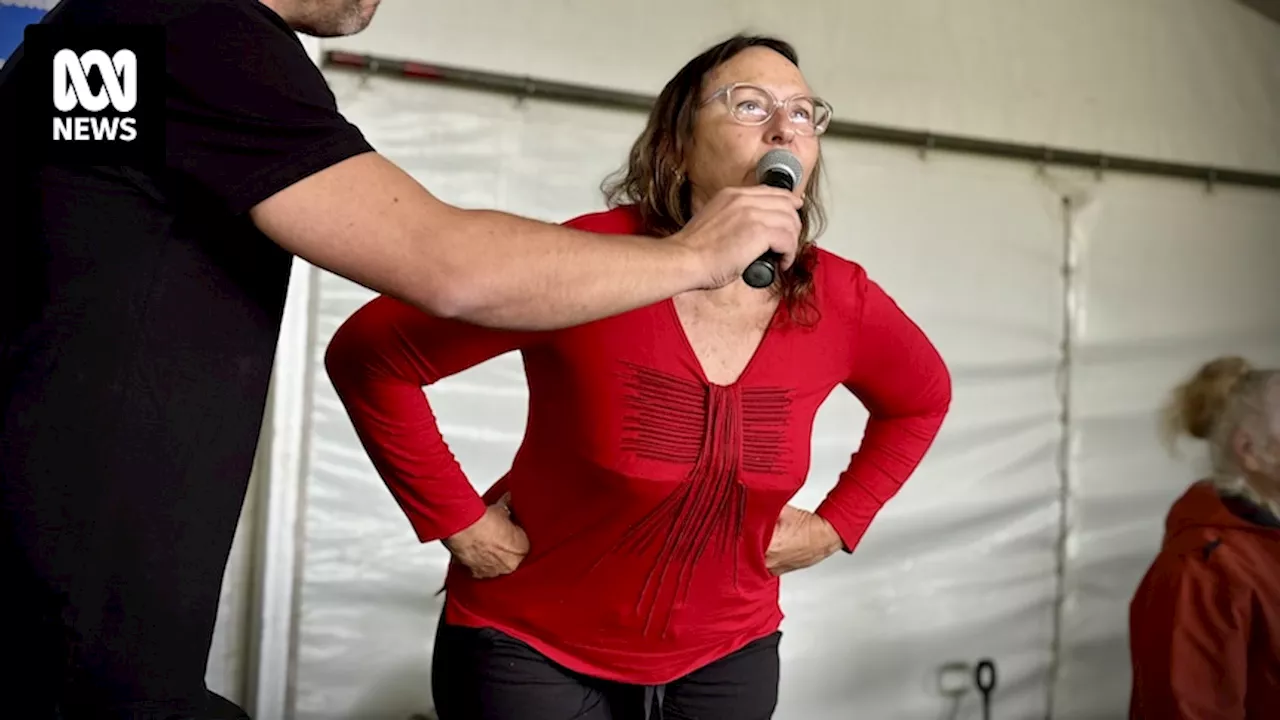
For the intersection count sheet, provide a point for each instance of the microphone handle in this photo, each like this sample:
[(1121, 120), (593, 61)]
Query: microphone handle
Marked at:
[(762, 271)]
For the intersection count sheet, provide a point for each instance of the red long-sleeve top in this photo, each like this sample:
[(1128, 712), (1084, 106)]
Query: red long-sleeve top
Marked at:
[(649, 495)]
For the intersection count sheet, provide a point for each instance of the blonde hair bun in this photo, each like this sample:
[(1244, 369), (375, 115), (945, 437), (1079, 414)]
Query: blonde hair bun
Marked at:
[(1199, 402)]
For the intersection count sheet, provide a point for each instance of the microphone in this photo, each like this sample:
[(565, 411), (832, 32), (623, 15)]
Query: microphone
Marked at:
[(781, 169)]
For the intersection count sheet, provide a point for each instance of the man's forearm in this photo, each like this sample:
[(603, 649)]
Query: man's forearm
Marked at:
[(370, 222), (521, 274)]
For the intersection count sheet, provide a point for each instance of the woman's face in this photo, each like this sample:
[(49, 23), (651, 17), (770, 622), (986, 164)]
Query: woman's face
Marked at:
[(1261, 458), (1272, 453), (724, 151)]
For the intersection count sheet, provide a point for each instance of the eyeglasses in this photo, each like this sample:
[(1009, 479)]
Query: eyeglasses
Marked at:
[(753, 105)]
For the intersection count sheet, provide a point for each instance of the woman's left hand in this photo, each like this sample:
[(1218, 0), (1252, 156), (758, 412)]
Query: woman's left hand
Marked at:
[(800, 539)]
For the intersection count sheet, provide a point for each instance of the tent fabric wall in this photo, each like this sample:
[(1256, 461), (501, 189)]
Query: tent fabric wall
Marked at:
[(366, 598), (964, 559), (229, 655), (1066, 305), (960, 566), (1184, 80), (1168, 276)]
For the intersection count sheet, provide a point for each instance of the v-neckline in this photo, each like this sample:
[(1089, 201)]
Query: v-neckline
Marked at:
[(674, 314)]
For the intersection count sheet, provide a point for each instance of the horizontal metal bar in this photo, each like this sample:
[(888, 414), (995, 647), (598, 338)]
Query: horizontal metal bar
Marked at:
[(924, 140)]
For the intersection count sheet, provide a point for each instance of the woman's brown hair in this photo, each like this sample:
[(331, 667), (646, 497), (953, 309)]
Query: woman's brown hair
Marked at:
[(653, 179)]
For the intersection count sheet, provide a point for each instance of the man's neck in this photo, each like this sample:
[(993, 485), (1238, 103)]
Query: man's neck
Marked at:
[(283, 8)]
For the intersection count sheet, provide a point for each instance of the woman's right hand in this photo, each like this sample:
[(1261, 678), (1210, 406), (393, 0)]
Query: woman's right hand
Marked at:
[(493, 545)]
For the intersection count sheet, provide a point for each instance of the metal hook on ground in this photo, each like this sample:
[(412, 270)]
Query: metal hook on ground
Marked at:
[(984, 676)]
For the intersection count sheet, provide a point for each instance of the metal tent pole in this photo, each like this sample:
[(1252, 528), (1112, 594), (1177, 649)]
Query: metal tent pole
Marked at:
[(923, 140)]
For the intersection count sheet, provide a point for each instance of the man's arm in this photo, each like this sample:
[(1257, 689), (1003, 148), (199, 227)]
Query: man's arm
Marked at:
[(367, 220), (251, 121)]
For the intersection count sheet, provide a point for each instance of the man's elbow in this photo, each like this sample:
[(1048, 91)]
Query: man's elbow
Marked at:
[(455, 286), (451, 297)]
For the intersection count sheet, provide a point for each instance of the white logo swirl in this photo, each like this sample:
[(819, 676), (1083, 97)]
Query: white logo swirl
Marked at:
[(119, 80)]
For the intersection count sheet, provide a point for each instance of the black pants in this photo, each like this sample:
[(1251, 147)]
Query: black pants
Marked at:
[(483, 674)]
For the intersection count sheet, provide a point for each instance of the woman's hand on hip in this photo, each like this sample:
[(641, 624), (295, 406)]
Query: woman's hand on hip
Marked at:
[(492, 546), (800, 539)]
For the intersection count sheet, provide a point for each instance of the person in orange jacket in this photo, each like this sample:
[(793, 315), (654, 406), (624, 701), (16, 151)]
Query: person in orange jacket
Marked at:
[(1205, 621)]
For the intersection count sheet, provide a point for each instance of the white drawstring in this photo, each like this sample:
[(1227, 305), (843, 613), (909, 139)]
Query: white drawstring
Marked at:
[(654, 695)]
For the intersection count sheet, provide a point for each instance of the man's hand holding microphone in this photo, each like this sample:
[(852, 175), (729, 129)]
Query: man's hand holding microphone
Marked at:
[(739, 226)]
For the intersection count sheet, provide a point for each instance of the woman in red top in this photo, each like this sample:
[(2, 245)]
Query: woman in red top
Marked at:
[(1205, 622), (629, 560)]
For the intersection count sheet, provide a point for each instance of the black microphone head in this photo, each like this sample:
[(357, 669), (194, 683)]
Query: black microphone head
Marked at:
[(779, 168)]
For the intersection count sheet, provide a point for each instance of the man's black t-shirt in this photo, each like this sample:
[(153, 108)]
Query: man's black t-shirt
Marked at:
[(139, 313)]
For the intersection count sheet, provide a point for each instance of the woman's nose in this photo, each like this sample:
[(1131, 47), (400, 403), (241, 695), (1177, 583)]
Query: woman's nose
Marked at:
[(780, 131)]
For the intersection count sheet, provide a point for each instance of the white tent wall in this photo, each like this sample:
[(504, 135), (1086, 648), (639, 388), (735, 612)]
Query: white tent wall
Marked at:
[(1188, 80), (228, 668), (1167, 277), (959, 567), (964, 562)]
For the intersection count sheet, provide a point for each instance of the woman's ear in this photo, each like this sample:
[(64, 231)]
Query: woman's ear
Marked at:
[(1246, 451)]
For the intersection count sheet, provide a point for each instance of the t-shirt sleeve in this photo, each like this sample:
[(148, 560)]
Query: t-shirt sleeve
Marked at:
[(247, 111), (900, 377)]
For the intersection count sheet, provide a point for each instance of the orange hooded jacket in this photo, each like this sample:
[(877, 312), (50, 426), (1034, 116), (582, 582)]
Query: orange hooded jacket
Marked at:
[(1205, 622)]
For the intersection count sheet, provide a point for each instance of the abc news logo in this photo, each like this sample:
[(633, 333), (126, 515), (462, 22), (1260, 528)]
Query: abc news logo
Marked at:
[(101, 91), (71, 90)]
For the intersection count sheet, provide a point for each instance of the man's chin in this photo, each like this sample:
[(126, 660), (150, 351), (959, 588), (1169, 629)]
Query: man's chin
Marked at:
[(349, 25)]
